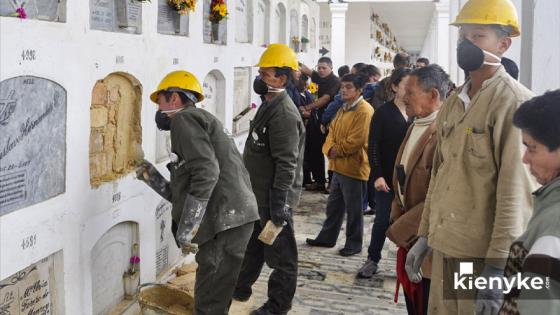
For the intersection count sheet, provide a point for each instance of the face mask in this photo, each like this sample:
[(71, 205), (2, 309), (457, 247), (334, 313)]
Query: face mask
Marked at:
[(471, 57), (163, 121), (261, 88)]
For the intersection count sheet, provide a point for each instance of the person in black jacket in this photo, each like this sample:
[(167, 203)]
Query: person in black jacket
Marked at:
[(386, 133)]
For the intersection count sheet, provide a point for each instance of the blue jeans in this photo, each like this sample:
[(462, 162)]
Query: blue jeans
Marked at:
[(368, 192), (380, 224)]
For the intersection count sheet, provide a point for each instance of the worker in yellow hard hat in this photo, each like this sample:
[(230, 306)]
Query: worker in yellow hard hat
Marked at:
[(273, 156), (480, 193), (214, 207)]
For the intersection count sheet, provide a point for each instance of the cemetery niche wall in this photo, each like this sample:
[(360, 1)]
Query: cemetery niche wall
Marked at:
[(294, 31), (33, 142), (116, 16), (46, 10), (115, 145)]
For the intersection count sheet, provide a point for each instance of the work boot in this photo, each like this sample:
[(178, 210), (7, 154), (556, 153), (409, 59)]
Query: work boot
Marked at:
[(263, 310), (349, 251), (368, 269), (241, 297)]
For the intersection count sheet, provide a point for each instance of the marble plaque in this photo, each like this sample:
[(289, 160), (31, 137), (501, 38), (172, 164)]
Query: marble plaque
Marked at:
[(242, 18), (102, 15), (280, 24), (262, 19), (163, 145), (33, 142), (29, 291), (242, 99), (129, 15), (312, 34), (164, 237), (210, 90), (170, 21)]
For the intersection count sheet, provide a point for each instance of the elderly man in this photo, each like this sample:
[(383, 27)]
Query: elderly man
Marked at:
[(479, 198), (426, 89)]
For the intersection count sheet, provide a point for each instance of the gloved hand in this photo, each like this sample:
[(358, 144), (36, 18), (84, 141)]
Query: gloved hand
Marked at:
[(189, 248), (415, 257), (489, 301), (191, 217), (279, 210), (146, 172)]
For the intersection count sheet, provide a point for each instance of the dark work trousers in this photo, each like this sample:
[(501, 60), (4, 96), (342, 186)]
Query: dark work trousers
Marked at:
[(426, 292), (345, 197), (369, 193), (219, 261), (282, 257), (380, 224), (314, 160)]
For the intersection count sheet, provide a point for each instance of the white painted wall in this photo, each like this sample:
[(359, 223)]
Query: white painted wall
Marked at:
[(358, 41), (545, 72), (76, 57)]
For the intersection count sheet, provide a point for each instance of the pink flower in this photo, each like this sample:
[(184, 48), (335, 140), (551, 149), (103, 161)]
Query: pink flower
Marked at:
[(20, 13), (134, 260), (253, 105)]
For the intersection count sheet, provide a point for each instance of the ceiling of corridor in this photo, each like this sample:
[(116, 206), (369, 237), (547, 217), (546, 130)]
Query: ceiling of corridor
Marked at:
[(408, 20)]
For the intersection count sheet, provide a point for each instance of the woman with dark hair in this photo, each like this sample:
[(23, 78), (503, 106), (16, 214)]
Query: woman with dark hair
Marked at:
[(346, 148), (386, 133), (536, 253)]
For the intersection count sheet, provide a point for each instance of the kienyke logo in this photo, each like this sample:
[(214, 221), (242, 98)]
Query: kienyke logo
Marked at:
[(465, 280)]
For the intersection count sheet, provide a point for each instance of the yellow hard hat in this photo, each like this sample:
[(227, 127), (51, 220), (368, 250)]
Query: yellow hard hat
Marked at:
[(278, 55), (500, 12), (183, 80)]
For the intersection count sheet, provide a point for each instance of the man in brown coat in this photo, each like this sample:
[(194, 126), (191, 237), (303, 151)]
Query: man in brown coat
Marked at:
[(425, 92)]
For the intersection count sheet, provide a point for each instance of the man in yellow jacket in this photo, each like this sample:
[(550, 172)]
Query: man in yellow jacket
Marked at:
[(346, 148), (479, 197)]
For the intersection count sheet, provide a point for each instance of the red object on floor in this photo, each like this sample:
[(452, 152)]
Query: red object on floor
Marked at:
[(414, 291)]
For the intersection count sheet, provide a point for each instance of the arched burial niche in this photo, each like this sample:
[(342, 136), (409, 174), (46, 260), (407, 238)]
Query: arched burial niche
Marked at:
[(243, 21), (214, 91), (313, 34), (294, 30), (262, 20), (279, 24), (116, 16), (116, 135), (304, 33), (46, 10), (110, 258), (32, 141)]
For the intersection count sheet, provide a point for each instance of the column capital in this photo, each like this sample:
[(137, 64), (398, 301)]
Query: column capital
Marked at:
[(442, 6), (338, 7)]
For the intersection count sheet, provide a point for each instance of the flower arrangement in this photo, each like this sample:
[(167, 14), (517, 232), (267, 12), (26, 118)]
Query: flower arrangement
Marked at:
[(134, 262), (20, 13), (182, 6), (218, 11), (295, 40), (313, 88)]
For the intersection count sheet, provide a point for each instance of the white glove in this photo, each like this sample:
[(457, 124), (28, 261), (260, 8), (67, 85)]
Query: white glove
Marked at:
[(415, 257)]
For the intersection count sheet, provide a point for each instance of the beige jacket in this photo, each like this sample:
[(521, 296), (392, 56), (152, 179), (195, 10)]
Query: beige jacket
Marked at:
[(479, 199)]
